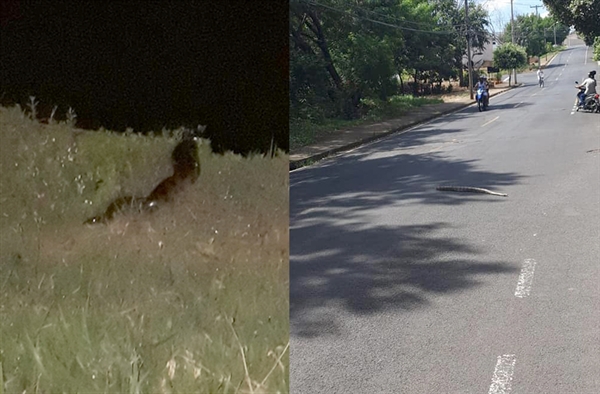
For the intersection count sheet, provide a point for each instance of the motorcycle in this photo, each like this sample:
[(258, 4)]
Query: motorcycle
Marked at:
[(591, 102), (482, 99)]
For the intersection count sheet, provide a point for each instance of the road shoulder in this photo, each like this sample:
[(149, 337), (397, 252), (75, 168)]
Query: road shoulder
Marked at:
[(352, 137)]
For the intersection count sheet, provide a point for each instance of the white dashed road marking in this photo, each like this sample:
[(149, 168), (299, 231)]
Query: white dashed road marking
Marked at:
[(574, 107), (503, 374), (487, 123), (525, 279)]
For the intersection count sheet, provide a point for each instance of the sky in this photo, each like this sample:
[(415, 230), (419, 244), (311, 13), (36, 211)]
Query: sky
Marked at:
[(499, 10)]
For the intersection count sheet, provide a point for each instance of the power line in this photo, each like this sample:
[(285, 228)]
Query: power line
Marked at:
[(441, 32), (398, 19), (508, 2)]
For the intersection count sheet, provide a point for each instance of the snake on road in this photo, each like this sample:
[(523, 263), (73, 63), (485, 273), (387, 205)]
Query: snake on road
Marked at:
[(469, 189)]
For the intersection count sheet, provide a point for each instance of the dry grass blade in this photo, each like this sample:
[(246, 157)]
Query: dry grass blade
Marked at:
[(248, 379), (277, 362)]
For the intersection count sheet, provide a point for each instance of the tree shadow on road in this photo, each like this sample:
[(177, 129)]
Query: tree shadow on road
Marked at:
[(377, 177), (375, 270), (497, 107), (345, 248)]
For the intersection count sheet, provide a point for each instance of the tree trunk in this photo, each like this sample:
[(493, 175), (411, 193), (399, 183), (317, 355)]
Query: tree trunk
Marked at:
[(319, 39), (321, 42), (416, 84), (401, 84)]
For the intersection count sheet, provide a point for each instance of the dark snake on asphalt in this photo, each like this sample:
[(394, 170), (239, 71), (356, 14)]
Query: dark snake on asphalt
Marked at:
[(469, 189)]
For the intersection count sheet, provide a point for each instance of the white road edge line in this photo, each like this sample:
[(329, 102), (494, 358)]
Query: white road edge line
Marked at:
[(503, 374), (525, 278)]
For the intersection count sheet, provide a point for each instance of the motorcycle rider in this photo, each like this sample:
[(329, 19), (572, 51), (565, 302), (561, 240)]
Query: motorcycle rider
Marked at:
[(589, 84), (484, 85)]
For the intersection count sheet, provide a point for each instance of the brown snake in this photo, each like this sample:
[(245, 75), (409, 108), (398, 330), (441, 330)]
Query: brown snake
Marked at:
[(186, 169), (469, 189)]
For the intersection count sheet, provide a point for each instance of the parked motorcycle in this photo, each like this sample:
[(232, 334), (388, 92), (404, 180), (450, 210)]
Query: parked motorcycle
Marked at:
[(482, 99), (591, 102)]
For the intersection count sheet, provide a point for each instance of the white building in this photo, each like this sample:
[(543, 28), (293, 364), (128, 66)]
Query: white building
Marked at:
[(485, 58)]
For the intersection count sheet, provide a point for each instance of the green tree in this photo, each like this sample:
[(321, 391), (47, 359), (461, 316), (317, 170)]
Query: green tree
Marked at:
[(553, 27), (534, 33), (342, 51), (509, 56), (453, 12), (360, 45), (422, 54), (315, 81), (583, 14)]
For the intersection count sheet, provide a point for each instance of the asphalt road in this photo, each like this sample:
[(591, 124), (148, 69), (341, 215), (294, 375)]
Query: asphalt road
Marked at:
[(399, 288)]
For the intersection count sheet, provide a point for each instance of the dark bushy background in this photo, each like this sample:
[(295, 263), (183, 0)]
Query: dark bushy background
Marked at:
[(152, 64)]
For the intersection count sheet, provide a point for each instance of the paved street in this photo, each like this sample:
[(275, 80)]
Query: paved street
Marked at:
[(399, 288)]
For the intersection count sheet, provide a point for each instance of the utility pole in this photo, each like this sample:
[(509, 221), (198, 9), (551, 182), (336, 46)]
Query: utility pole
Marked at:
[(512, 33), (554, 33), (469, 65), (536, 7)]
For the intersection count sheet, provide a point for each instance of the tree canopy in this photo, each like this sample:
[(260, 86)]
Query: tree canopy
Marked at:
[(342, 51), (584, 15), (535, 33), (509, 56)]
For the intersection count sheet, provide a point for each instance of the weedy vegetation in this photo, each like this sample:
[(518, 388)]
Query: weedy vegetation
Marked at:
[(305, 128), (190, 298)]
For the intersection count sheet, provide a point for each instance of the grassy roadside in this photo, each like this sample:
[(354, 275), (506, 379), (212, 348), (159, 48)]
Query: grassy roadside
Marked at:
[(304, 132), (556, 50), (192, 298), (545, 58)]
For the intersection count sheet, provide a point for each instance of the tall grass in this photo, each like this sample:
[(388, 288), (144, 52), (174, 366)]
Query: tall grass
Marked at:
[(192, 298)]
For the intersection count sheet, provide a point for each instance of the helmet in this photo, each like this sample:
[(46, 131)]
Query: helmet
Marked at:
[(592, 74)]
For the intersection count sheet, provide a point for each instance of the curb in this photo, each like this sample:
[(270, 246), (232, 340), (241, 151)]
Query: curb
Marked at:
[(294, 165)]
